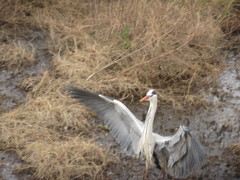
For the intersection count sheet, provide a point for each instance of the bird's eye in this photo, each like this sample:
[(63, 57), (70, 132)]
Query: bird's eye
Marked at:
[(154, 92)]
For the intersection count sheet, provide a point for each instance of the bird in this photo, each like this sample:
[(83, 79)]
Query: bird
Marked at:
[(178, 155)]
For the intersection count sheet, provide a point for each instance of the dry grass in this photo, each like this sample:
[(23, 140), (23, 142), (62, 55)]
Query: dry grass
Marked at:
[(66, 159), (233, 151), (164, 49), (46, 133), (119, 48), (14, 56)]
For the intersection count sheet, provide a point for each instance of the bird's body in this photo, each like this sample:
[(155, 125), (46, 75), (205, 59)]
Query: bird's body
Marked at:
[(146, 143), (178, 155)]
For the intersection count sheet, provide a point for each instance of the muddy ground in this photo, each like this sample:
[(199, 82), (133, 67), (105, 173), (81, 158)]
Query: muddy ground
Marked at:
[(216, 126)]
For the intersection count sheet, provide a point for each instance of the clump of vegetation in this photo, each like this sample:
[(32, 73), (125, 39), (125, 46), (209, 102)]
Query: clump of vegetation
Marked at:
[(171, 49), (14, 56), (233, 150), (126, 38), (174, 47)]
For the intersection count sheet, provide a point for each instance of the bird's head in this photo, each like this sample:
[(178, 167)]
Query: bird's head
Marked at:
[(151, 94)]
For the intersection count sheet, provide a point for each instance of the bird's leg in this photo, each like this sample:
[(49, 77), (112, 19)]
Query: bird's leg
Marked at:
[(145, 176), (164, 175)]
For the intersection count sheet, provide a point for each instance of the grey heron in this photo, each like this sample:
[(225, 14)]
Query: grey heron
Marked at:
[(177, 155)]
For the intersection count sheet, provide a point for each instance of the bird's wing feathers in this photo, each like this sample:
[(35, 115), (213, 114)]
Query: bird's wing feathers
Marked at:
[(123, 125), (181, 152)]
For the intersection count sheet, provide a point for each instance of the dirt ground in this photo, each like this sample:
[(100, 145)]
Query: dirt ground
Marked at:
[(216, 126)]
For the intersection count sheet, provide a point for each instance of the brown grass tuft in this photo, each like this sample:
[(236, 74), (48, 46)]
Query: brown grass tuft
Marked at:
[(74, 158), (14, 56), (233, 151)]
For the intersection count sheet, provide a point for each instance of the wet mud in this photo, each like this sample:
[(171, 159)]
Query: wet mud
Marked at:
[(216, 126), (33, 41), (14, 95)]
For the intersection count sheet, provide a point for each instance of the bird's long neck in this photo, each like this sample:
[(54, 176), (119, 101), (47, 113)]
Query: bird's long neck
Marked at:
[(148, 127), (146, 143)]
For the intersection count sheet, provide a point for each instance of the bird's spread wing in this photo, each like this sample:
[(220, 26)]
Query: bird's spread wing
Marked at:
[(180, 153), (123, 125)]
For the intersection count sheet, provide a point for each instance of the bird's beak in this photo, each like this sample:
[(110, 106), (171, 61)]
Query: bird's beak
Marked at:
[(145, 98)]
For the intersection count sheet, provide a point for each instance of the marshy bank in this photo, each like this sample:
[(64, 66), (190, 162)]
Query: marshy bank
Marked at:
[(121, 49)]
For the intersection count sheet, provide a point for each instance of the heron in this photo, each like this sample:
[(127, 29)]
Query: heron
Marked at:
[(177, 155)]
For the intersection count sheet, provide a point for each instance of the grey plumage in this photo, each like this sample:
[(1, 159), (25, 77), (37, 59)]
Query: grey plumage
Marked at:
[(178, 155), (123, 125), (182, 152)]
